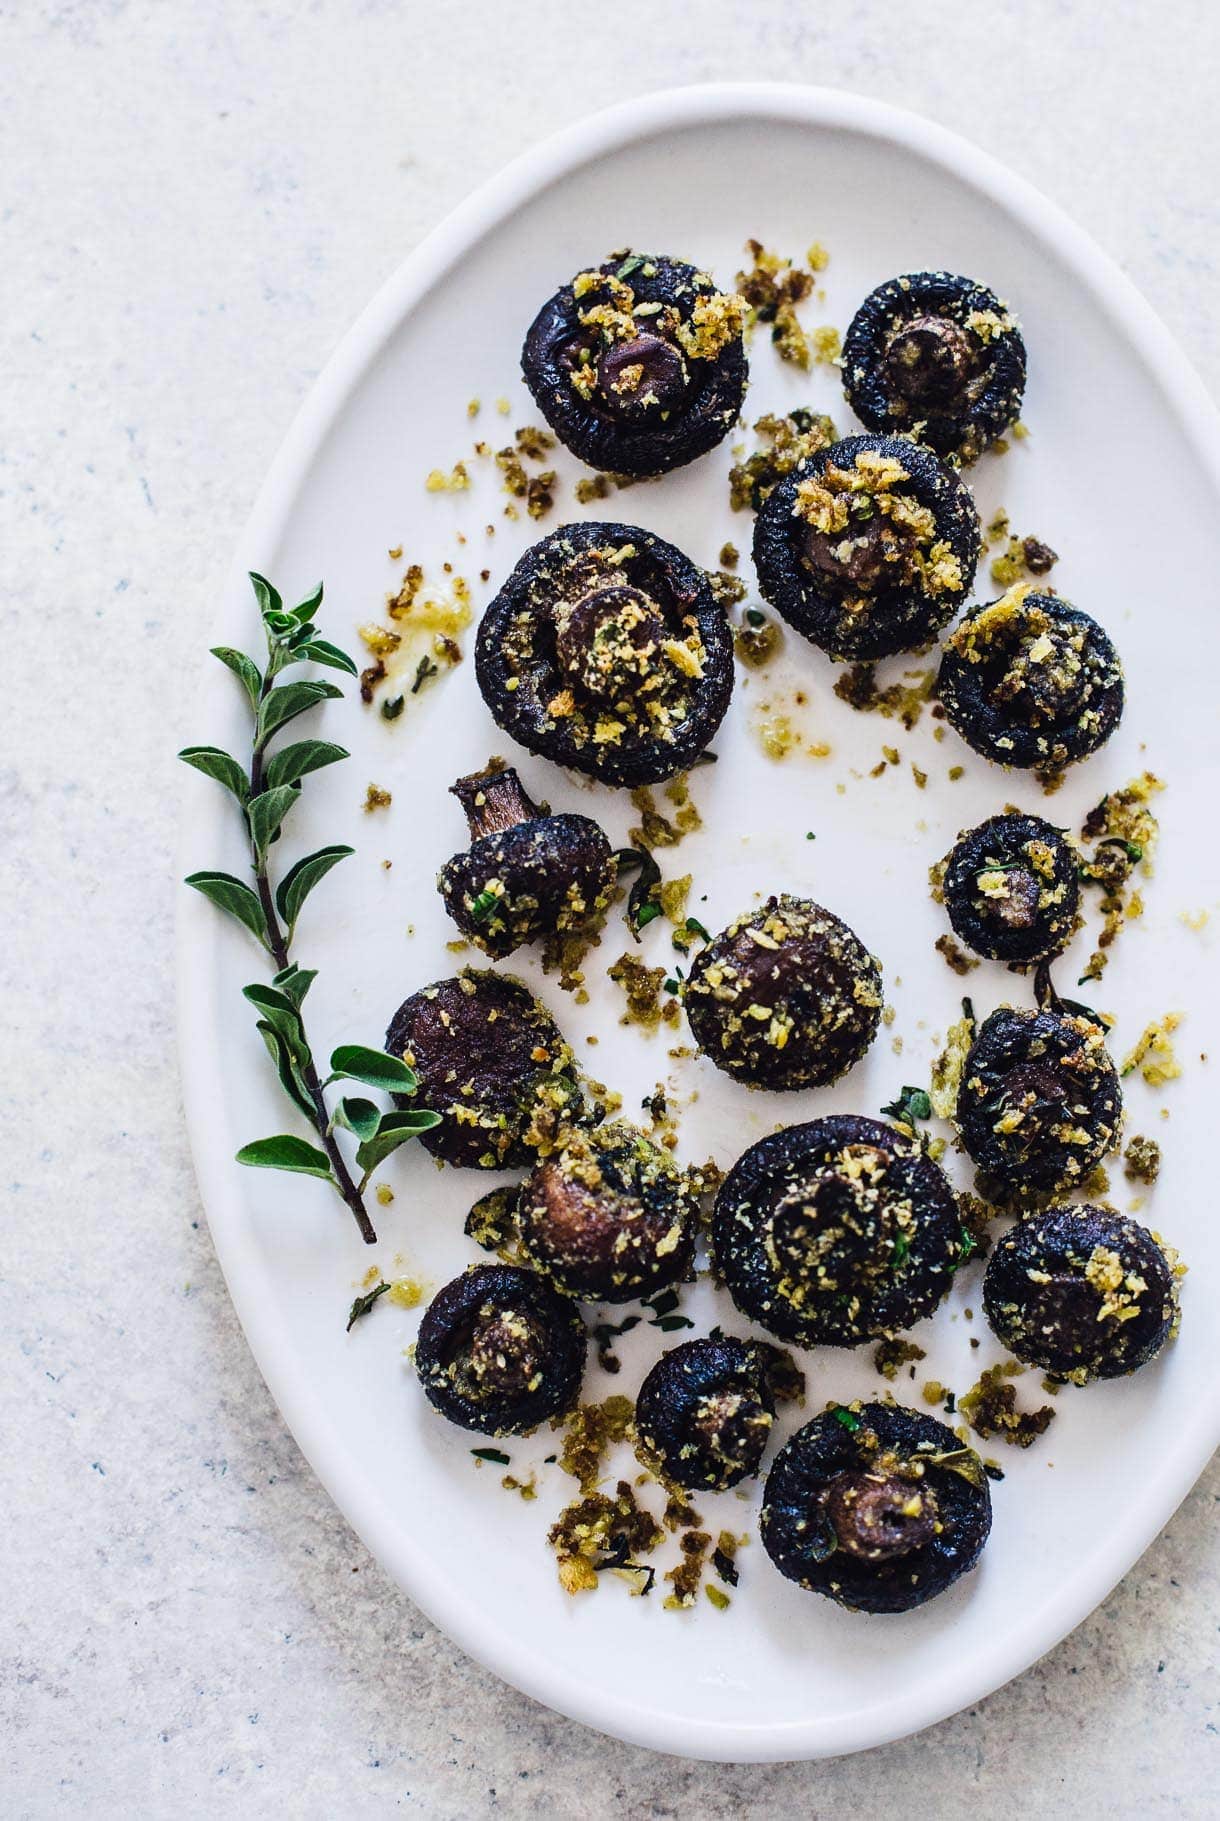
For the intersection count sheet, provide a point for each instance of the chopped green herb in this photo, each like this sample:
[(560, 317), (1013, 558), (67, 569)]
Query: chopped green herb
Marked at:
[(755, 617), (424, 671), (603, 1333), (848, 1418), (902, 1250), (912, 1105), (393, 707), (725, 1567), (646, 914), (496, 1455), (363, 1304), (483, 907)]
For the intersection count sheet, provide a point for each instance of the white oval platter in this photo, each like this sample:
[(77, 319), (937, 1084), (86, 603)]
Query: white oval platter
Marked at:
[(1120, 475)]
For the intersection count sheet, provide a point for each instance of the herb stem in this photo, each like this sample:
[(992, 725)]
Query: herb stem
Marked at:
[(278, 946)]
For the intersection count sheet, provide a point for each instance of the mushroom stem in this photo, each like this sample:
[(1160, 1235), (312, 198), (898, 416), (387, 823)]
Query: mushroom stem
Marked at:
[(494, 800)]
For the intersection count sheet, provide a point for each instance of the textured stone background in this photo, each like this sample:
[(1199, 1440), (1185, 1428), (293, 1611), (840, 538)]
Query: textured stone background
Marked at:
[(194, 202)]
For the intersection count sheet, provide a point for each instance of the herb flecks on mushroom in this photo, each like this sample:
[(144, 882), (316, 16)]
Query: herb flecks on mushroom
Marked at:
[(868, 548), (1031, 681), (875, 1506), (1011, 887), (836, 1232), (936, 356), (527, 874), (786, 997), (609, 1216), (606, 652), (501, 1351), (638, 365), (496, 1067), (1039, 1102), (1082, 1292)]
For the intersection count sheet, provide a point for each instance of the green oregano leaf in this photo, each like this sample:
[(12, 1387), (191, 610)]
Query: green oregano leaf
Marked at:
[(394, 1129), (268, 598), (285, 1152), (323, 652), (358, 1115), (229, 894), (294, 762), (266, 814), (307, 609), (376, 1068), (244, 668), (289, 700), (300, 879), (285, 1067), (363, 1304), (221, 766)]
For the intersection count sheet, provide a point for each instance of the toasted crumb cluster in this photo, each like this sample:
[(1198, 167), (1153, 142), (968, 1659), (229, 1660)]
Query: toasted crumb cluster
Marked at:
[(785, 442)]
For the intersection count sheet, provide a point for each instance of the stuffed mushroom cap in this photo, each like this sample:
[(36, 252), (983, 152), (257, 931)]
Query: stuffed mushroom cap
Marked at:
[(501, 1351), (489, 1058), (938, 357), (605, 651), (836, 1232), (877, 1507), (786, 997), (869, 547), (638, 365), (1031, 681), (1082, 1292)]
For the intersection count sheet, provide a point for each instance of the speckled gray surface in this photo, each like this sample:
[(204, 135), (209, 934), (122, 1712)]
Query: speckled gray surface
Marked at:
[(195, 202)]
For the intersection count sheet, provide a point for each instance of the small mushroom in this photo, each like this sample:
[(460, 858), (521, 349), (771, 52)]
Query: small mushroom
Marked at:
[(875, 1506), (606, 651), (1031, 681), (499, 1350), (491, 1061), (836, 1232), (786, 997), (869, 547), (1082, 1292), (706, 1408), (1012, 889), (609, 1216), (1039, 1103), (526, 874), (938, 357), (638, 365)]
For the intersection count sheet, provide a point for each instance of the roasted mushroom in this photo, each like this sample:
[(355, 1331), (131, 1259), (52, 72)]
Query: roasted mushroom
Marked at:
[(526, 874), (638, 366), (939, 357), (609, 1216), (869, 547), (1039, 1102), (605, 650), (836, 1232), (500, 1350), (1012, 888), (786, 997), (705, 1410), (1031, 681), (490, 1060), (877, 1507), (1082, 1292)]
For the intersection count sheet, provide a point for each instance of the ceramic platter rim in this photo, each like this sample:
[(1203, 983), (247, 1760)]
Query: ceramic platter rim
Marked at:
[(203, 1018)]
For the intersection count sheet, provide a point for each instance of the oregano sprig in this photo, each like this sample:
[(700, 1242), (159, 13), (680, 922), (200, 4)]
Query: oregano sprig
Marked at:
[(266, 791)]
